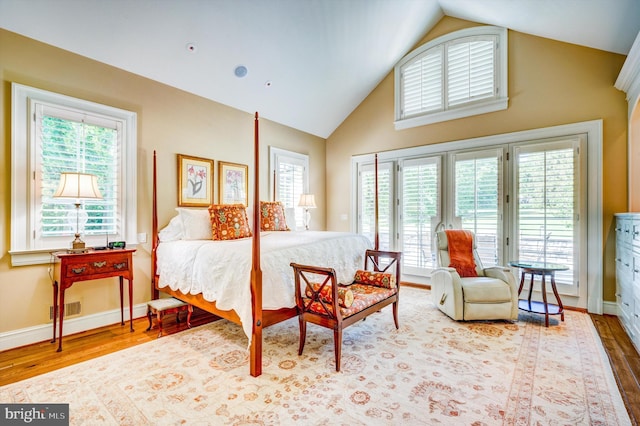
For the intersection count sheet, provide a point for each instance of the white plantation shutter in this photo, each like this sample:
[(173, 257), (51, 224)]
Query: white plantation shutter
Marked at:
[(366, 203), (422, 84), (478, 194), (420, 212), (457, 75), (470, 71), (290, 183), (76, 142), (292, 176), (546, 180)]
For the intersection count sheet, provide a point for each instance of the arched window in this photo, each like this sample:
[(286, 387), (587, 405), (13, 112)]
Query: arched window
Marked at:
[(457, 75)]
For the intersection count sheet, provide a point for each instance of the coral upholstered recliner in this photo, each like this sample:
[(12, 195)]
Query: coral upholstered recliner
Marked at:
[(468, 291)]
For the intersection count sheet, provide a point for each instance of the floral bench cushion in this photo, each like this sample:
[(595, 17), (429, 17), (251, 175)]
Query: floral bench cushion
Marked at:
[(345, 295), (364, 295), (379, 279)]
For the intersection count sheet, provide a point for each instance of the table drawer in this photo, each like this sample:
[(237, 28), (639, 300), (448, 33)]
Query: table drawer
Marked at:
[(98, 266)]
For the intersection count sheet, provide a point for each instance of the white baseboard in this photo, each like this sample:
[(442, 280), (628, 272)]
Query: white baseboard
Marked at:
[(610, 308), (40, 333)]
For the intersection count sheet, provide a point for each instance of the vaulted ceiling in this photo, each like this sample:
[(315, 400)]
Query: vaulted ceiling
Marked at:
[(309, 63)]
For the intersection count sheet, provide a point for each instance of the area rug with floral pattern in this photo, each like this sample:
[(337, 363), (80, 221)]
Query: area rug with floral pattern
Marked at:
[(432, 371)]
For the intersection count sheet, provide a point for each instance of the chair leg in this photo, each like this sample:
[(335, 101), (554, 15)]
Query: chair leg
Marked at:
[(159, 319), (189, 313), (395, 314), (337, 343), (149, 317), (303, 334)]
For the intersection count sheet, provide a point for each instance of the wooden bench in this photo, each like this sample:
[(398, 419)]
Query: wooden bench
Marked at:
[(164, 306), (334, 306)]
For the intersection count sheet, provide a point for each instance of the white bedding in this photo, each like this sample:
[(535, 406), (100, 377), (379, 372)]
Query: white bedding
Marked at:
[(221, 270)]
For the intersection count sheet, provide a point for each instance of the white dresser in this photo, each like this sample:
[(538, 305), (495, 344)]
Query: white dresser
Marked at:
[(628, 273)]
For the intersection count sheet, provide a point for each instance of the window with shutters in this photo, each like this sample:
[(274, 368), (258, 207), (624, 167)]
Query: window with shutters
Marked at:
[(420, 212), (290, 179), (547, 181), (456, 75), (366, 203), (53, 134), (478, 200), (523, 194)]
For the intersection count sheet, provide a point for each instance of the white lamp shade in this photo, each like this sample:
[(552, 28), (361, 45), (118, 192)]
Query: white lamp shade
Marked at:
[(78, 185), (307, 201)]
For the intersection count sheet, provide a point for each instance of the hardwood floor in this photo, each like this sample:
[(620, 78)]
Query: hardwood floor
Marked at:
[(625, 361), (28, 361)]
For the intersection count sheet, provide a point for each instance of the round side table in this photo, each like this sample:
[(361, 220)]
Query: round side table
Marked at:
[(544, 269)]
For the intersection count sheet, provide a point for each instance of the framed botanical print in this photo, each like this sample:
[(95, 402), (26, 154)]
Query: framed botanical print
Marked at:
[(233, 183), (195, 181)]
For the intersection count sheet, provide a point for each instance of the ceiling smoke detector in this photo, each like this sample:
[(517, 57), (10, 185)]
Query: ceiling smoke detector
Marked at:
[(191, 47), (240, 71)]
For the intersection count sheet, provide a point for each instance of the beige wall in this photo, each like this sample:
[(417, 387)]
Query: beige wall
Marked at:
[(550, 83), (169, 121)]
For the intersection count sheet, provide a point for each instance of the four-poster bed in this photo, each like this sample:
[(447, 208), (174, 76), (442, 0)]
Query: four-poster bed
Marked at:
[(251, 306)]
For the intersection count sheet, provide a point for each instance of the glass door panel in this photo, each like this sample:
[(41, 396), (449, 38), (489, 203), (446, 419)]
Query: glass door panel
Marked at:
[(546, 183), (477, 186), (366, 203), (420, 206)]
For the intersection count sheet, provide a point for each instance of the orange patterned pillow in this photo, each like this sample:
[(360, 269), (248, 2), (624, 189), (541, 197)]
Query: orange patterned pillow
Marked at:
[(229, 221), (272, 216), (345, 295), (378, 279)]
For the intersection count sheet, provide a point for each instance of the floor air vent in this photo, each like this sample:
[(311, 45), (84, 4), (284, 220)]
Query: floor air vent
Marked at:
[(70, 309)]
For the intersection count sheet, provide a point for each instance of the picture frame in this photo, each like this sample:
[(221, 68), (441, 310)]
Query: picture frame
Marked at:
[(233, 183), (195, 181)]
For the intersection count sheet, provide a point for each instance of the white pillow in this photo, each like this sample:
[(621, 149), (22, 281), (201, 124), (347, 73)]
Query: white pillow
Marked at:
[(174, 231), (196, 223), (290, 217), (249, 212)]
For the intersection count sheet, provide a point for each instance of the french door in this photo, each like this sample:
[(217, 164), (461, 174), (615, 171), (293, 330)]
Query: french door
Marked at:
[(366, 203), (523, 201), (549, 204), (420, 212), (476, 189)]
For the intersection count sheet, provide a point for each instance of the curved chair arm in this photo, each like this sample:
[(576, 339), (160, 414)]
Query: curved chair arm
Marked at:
[(501, 273), (505, 274), (446, 292)]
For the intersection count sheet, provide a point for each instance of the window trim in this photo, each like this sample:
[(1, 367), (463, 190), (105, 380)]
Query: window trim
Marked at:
[(497, 103), (23, 168)]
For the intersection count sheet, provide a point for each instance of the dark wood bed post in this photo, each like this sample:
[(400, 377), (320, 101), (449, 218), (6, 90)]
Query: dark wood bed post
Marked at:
[(155, 293), (255, 363), (376, 238)]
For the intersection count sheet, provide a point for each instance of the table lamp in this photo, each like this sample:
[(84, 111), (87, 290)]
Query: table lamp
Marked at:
[(78, 186), (307, 201)]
